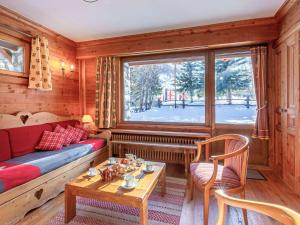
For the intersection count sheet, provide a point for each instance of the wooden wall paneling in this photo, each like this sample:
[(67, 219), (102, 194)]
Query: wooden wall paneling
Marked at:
[(271, 86), (212, 36), (289, 23), (277, 136), (90, 67), (82, 86), (15, 96), (290, 108)]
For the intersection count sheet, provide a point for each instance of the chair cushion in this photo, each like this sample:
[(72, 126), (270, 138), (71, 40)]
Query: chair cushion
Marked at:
[(24, 139), (51, 141), (5, 153), (226, 177)]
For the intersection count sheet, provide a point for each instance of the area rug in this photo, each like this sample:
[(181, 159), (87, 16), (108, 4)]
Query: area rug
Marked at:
[(162, 210), (255, 175)]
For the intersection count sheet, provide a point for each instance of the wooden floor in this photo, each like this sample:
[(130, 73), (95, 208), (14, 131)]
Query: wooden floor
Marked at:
[(273, 190)]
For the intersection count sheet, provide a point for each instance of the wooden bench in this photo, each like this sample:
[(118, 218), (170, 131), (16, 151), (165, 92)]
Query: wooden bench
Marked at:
[(170, 147)]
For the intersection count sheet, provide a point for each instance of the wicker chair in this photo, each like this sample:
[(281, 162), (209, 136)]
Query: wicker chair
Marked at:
[(282, 214), (210, 176)]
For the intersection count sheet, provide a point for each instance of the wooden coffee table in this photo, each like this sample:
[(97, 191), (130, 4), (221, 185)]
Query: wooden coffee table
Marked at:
[(93, 187)]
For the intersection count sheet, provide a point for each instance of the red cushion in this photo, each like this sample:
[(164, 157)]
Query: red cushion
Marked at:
[(65, 124), (5, 153), (24, 139), (202, 172), (68, 135), (51, 141), (75, 134), (86, 132), (96, 143)]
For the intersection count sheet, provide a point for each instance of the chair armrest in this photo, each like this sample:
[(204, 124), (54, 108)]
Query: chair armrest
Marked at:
[(207, 149), (228, 155), (282, 214)]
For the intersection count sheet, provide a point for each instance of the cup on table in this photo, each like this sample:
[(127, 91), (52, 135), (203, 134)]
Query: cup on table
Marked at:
[(149, 166), (112, 160), (129, 180), (130, 156), (139, 161), (92, 171)]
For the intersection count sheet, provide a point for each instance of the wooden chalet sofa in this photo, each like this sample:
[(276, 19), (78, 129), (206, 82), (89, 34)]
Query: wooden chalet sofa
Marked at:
[(29, 178)]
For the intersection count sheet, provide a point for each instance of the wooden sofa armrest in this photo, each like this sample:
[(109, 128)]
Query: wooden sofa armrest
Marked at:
[(283, 214), (105, 135)]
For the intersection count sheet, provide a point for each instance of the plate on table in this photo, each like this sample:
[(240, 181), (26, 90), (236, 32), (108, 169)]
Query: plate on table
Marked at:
[(123, 185), (148, 171)]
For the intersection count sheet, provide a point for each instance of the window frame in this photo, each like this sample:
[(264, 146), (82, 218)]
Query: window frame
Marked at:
[(26, 55), (123, 60), (225, 125), (210, 123)]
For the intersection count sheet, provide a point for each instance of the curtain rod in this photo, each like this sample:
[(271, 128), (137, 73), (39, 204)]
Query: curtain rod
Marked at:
[(15, 30)]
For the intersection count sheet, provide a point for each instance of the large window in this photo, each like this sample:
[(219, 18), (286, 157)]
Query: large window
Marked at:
[(174, 88), (235, 101), (165, 90)]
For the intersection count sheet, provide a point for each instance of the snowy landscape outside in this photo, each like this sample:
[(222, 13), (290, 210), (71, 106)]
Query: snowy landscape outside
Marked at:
[(175, 91)]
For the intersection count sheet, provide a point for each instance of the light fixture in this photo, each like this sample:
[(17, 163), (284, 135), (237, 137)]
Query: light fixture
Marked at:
[(87, 119), (72, 68), (88, 123), (90, 1), (62, 64)]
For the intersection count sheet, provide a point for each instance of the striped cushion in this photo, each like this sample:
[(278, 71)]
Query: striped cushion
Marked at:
[(202, 172)]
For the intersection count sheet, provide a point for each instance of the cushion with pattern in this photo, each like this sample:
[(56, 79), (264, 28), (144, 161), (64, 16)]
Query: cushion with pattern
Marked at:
[(68, 135), (51, 141)]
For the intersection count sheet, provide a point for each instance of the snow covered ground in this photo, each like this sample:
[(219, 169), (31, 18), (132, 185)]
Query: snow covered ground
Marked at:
[(195, 114)]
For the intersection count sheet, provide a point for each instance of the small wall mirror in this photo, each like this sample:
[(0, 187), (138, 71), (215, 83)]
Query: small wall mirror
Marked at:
[(13, 56)]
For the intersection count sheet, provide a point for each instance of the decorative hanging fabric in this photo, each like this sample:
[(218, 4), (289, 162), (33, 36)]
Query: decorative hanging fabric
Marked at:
[(40, 74), (106, 71), (259, 64)]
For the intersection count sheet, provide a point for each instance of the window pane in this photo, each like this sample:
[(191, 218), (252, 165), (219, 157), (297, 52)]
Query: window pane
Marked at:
[(11, 57), (168, 90), (235, 97)]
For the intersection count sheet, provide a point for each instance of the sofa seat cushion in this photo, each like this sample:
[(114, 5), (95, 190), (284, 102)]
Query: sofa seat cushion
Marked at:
[(22, 169), (24, 139), (96, 143), (5, 152), (202, 172)]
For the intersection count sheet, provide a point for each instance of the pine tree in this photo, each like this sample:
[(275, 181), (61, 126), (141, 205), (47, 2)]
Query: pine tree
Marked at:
[(231, 76), (191, 77), (145, 84)]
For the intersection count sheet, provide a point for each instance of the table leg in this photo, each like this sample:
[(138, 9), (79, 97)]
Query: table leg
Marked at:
[(70, 205), (144, 213), (163, 182)]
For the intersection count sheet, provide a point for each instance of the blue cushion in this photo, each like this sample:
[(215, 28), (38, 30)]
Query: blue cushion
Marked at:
[(48, 161)]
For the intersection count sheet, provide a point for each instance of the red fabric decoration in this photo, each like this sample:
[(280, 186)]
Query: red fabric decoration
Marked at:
[(24, 139), (4, 146), (96, 143), (76, 134), (68, 134), (85, 134), (51, 141)]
